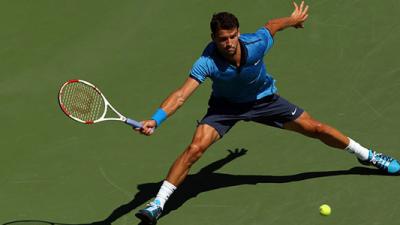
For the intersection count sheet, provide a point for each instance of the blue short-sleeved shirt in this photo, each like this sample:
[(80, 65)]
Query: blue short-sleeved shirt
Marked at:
[(246, 83)]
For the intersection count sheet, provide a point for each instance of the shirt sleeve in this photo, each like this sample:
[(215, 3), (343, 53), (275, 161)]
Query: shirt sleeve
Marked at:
[(266, 37), (200, 70)]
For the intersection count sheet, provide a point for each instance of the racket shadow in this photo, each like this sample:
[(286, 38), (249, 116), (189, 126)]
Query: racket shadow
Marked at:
[(207, 180), (35, 222)]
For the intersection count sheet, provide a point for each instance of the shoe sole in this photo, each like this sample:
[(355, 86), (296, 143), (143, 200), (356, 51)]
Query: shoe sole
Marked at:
[(145, 218), (383, 170)]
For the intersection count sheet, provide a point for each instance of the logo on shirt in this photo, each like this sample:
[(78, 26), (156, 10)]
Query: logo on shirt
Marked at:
[(257, 62)]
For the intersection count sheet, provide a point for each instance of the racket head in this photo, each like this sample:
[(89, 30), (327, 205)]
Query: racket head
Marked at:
[(82, 101)]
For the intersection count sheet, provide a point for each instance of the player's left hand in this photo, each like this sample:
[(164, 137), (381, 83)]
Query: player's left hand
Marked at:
[(299, 15)]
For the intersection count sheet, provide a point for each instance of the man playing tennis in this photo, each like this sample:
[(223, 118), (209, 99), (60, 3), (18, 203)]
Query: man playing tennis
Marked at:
[(243, 90)]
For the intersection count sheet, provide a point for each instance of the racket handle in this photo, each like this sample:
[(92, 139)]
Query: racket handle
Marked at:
[(133, 123)]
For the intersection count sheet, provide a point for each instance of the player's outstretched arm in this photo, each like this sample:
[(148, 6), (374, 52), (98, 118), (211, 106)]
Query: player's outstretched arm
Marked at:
[(169, 106), (296, 19)]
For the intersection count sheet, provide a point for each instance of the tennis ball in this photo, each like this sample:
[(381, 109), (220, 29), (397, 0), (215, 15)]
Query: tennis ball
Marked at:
[(325, 210)]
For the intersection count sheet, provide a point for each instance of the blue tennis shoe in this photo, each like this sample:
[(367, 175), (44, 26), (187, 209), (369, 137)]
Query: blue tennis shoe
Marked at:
[(382, 162), (150, 214)]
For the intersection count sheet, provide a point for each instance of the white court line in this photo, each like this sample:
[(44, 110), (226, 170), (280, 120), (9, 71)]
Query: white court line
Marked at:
[(126, 193)]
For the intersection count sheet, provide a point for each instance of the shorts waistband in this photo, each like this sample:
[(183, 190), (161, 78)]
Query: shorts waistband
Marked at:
[(222, 101)]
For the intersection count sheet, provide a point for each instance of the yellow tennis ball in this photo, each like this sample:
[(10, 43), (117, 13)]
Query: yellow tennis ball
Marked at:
[(325, 210)]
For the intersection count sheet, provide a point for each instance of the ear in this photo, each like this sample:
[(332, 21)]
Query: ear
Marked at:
[(238, 32)]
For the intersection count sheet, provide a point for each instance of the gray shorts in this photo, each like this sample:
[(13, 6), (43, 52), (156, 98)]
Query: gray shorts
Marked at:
[(271, 110)]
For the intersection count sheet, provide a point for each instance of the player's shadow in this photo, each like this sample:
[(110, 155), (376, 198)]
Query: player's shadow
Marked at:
[(207, 179)]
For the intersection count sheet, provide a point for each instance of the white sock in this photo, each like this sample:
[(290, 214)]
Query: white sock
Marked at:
[(355, 148), (165, 191)]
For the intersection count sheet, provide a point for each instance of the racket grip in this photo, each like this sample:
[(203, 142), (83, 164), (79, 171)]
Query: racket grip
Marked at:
[(133, 123)]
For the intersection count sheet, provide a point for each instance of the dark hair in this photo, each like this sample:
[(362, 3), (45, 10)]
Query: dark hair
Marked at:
[(223, 20)]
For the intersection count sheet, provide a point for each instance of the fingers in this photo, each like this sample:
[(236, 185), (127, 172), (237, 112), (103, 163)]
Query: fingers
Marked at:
[(147, 131), (300, 14), (305, 17), (300, 10), (301, 6), (305, 10), (296, 8), (148, 127)]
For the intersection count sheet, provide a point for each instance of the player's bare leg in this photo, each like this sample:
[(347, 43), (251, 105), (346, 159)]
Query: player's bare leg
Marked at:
[(204, 136), (308, 126)]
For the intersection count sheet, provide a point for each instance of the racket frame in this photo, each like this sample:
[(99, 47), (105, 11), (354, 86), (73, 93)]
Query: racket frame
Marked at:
[(107, 105)]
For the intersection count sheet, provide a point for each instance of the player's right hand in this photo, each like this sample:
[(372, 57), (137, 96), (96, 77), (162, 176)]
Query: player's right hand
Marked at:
[(148, 127)]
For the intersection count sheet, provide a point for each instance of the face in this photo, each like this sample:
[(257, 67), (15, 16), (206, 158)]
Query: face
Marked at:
[(227, 41)]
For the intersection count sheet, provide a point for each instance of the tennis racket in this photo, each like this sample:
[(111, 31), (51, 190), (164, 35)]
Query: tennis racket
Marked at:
[(84, 103)]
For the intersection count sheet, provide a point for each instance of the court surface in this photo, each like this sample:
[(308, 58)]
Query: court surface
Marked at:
[(343, 69)]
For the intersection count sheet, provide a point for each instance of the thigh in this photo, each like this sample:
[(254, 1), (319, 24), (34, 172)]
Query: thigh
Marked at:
[(219, 122), (304, 124), (205, 135)]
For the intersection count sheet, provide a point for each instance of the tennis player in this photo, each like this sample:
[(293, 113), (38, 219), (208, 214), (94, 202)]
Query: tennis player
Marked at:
[(243, 90)]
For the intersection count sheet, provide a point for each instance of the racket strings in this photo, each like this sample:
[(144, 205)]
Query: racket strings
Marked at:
[(82, 101)]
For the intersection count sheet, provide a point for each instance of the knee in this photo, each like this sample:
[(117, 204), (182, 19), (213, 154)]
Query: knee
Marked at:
[(318, 129), (193, 153)]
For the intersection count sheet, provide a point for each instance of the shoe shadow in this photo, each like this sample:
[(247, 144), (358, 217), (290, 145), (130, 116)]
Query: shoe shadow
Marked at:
[(207, 179)]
